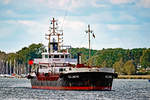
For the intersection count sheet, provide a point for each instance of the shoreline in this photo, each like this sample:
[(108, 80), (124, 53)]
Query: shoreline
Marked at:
[(119, 77), (133, 77)]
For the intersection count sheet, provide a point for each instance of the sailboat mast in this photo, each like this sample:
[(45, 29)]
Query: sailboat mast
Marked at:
[(10, 67), (14, 67)]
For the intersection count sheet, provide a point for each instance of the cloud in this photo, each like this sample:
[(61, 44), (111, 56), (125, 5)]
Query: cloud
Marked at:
[(4, 32), (24, 31), (7, 28), (35, 31), (109, 17), (139, 3), (11, 14), (62, 4), (74, 31), (113, 27), (70, 5), (96, 4), (123, 27), (6, 1), (34, 28), (27, 21), (121, 1), (144, 3), (74, 25)]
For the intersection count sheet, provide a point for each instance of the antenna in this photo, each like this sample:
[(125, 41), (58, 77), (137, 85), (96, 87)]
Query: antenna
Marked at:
[(53, 31), (89, 31)]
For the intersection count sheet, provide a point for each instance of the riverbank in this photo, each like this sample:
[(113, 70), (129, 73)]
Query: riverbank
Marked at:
[(12, 76), (133, 76)]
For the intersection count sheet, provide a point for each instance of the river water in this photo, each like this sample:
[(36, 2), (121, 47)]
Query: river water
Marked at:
[(123, 89)]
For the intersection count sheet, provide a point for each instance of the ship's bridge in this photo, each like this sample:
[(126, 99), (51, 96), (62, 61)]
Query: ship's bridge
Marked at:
[(55, 57)]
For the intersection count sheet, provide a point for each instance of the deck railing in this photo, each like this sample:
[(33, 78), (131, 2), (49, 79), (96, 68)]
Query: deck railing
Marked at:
[(55, 60)]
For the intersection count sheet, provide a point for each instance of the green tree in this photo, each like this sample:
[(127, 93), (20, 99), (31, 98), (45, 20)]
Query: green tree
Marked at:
[(129, 67), (137, 53), (104, 64), (3, 55), (105, 57), (145, 59), (11, 57), (118, 66), (31, 52)]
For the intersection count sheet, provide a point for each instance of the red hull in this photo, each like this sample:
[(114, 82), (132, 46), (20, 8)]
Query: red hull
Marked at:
[(72, 88)]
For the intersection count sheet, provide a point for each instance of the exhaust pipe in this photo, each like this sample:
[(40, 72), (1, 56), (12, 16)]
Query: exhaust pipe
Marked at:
[(79, 58)]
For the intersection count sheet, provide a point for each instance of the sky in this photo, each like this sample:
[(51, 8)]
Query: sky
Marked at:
[(115, 23)]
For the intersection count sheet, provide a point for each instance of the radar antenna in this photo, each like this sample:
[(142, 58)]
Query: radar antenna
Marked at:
[(53, 31)]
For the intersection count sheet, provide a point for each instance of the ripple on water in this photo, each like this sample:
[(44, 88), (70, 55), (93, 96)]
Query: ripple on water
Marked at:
[(123, 89)]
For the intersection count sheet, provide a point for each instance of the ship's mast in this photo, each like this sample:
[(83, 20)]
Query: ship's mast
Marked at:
[(89, 31), (53, 31)]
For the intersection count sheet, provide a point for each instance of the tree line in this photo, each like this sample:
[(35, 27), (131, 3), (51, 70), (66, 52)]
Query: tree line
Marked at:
[(124, 61)]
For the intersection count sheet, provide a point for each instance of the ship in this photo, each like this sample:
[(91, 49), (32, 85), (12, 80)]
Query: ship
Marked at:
[(58, 70)]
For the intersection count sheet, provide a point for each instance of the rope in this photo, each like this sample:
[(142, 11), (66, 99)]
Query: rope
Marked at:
[(66, 13)]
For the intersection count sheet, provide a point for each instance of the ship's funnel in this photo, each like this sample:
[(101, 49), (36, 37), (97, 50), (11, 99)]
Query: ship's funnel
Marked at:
[(79, 58)]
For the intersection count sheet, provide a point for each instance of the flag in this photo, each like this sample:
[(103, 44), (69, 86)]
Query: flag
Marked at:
[(30, 62), (93, 35)]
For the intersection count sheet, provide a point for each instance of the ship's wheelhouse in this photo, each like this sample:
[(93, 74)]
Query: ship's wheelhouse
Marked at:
[(56, 55)]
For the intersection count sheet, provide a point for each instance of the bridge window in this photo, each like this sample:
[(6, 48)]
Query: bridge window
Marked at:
[(61, 69), (46, 56), (62, 56), (66, 56), (56, 56)]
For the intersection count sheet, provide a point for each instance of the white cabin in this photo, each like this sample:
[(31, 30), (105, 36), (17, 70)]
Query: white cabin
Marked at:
[(55, 58)]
